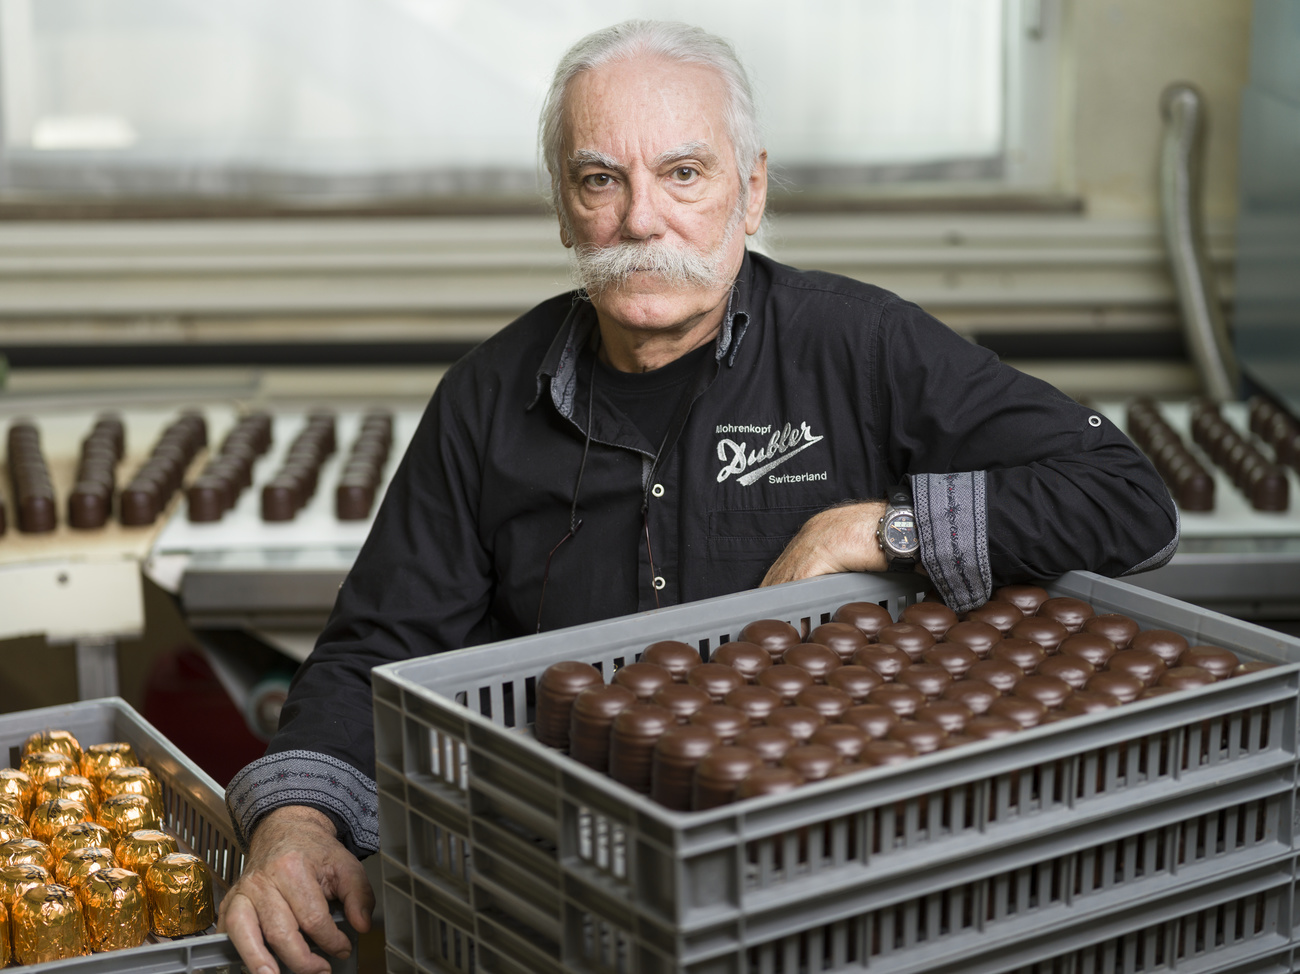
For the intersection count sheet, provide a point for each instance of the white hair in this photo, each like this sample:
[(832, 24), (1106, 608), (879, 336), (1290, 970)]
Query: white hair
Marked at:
[(675, 42)]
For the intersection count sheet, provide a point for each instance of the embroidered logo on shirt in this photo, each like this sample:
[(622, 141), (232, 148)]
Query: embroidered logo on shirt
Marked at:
[(748, 465)]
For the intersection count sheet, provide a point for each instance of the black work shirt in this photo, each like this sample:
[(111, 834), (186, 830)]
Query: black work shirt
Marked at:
[(820, 389)]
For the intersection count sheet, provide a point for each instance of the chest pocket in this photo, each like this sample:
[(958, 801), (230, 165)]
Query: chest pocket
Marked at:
[(744, 535)]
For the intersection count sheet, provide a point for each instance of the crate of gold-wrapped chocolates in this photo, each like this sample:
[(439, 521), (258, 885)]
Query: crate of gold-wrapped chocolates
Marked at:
[(113, 846), (841, 774)]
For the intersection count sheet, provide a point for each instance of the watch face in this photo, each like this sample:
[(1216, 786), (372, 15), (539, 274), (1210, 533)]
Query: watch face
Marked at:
[(900, 533)]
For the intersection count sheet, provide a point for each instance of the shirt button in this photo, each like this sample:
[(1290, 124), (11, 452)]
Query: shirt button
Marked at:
[(657, 490), (659, 583)]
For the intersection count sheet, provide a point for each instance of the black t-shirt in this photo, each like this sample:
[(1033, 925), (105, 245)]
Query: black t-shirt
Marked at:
[(649, 399)]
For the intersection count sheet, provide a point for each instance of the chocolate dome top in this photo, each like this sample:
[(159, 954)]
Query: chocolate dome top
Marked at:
[(884, 659), (873, 719), (817, 659), (1165, 643), (1069, 612), (1000, 615), (911, 639), (1048, 633), (1119, 629), (770, 742), (772, 635), (785, 679), (856, 681), (934, 616), (755, 701), (643, 679), (869, 617), (1022, 653), (675, 657), (1026, 598), (975, 694), (978, 637), (798, 722), (1091, 646), (1219, 661), (715, 679), (840, 638), (1074, 670)]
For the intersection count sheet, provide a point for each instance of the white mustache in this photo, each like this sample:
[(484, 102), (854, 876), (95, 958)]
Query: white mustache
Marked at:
[(600, 268)]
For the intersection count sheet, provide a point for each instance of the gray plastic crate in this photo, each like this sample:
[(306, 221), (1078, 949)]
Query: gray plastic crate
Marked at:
[(500, 854), (194, 810)]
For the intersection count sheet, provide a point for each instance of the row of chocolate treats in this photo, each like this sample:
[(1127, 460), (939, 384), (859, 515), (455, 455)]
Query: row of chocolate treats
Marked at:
[(1276, 427), (29, 476), (229, 472), (90, 501), (289, 490), (84, 863), (1188, 480), (156, 481), (364, 468), (1262, 481), (771, 711)]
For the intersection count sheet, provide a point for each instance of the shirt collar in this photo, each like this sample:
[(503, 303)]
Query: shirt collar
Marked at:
[(560, 363)]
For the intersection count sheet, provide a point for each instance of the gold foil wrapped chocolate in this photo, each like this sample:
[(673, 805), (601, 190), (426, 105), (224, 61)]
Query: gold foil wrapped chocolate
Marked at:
[(179, 888), (79, 864), (27, 850), (124, 814), (13, 805), (52, 817), (99, 759), (55, 740), (4, 936), (46, 924), (132, 781), (117, 913), (138, 850), (83, 835), (74, 787), (43, 765), (17, 784), (18, 878), (12, 827)]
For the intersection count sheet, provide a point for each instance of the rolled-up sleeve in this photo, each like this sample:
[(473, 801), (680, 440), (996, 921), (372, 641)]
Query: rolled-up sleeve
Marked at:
[(1012, 479)]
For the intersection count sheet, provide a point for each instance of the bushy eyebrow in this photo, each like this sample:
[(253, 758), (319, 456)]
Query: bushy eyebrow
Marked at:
[(592, 157), (687, 150)]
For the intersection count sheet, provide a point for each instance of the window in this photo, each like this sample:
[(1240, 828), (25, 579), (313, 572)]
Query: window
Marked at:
[(338, 101)]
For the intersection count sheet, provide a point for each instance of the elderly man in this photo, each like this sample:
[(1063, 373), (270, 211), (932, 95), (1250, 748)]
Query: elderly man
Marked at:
[(695, 420)]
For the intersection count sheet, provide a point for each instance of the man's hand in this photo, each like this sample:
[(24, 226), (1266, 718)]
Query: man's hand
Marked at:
[(839, 539), (295, 866)]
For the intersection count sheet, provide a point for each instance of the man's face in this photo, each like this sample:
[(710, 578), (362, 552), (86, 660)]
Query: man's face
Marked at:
[(651, 189)]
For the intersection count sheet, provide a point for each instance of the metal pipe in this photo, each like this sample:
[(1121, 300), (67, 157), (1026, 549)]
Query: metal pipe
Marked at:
[(1183, 108)]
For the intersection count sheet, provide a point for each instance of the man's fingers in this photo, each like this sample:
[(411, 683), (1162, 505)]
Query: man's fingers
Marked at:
[(353, 890), (239, 920), (301, 889), (280, 928)]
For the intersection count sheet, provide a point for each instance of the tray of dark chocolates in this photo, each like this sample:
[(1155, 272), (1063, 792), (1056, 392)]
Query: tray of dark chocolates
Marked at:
[(1230, 466), (115, 849), (1066, 770)]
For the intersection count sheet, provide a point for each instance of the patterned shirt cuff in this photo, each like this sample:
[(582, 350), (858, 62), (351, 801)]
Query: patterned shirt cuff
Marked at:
[(307, 778), (952, 519)]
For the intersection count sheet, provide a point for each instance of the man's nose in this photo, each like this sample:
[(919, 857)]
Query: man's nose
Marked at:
[(644, 217)]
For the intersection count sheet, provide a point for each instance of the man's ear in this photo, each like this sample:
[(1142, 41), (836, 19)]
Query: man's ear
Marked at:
[(757, 195)]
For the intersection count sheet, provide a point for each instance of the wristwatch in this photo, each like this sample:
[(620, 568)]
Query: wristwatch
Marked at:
[(897, 533)]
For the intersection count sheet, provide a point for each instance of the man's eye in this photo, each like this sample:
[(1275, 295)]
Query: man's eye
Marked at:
[(597, 180), (684, 174)]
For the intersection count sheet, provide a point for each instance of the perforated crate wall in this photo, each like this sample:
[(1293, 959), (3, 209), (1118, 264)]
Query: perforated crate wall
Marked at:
[(503, 855)]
